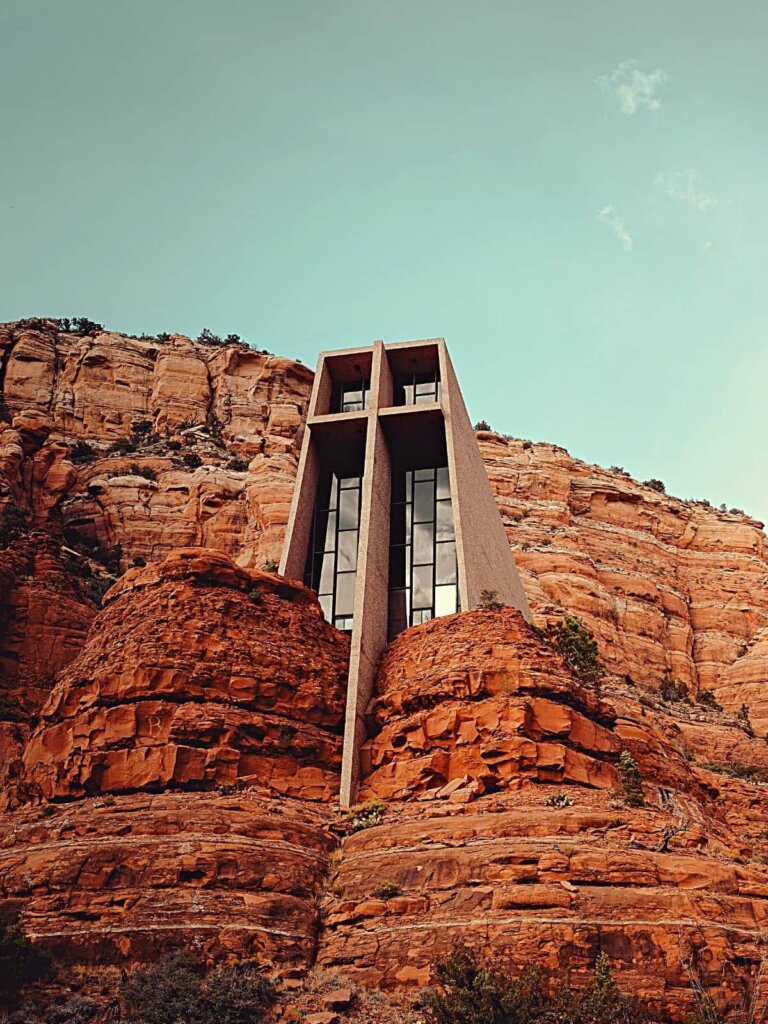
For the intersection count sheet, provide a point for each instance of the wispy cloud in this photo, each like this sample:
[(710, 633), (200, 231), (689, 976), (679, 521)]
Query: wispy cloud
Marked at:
[(633, 89), (687, 187), (609, 215)]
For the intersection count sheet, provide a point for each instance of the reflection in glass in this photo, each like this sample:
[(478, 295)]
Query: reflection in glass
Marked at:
[(332, 558), (422, 559)]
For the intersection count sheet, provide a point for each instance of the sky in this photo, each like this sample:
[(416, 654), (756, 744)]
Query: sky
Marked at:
[(572, 194)]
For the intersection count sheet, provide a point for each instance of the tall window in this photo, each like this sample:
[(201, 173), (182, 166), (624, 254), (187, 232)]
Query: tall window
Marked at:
[(350, 395), (332, 561), (423, 580), (417, 388)]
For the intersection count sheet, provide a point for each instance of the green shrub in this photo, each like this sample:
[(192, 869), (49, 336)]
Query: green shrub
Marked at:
[(489, 601), (708, 700), (471, 994), (655, 485), (631, 779), (192, 460), (122, 446), (367, 815), (14, 522), (238, 464), (672, 692), (21, 962), (578, 649), (146, 471), (174, 445), (271, 565), (81, 452), (386, 889), (558, 800), (483, 425), (175, 990), (80, 325), (207, 337), (142, 427)]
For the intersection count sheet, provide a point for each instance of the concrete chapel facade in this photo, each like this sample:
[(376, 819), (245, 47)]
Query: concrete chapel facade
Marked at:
[(393, 521)]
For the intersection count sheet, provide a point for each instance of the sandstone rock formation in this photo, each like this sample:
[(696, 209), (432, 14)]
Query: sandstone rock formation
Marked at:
[(169, 763)]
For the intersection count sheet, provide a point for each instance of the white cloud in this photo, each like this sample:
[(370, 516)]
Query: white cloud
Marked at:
[(707, 246), (686, 186), (632, 89), (609, 215)]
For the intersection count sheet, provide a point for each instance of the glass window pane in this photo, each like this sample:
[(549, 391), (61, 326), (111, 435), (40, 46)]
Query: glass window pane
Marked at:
[(348, 501), (445, 600), (328, 542), (420, 615), (443, 483), (423, 541), (346, 483), (422, 586), (445, 568), (345, 593), (408, 523), (445, 520), (326, 603), (424, 399), (426, 389), (408, 394), (324, 573), (409, 486), (344, 623), (424, 474), (424, 502), (397, 566), (347, 558)]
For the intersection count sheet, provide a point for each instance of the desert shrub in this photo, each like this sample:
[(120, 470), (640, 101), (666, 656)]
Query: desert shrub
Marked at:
[(192, 460), (558, 800), (207, 337), (238, 995), (489, 601), (367, 815), (97, 586), (10, 711), (146, 471), (80, 325), (271, 565), (578, 649), (631, 779), (739, 771), (708, 700), (21, 962), (175, 990), (483, 425), (673, 692), (256, 595), (471, 994), (655, 485), (619, 469), (174, 445), (238, 464), (81, 452), (14, 522), (386, 889), (142, 427), (122, 446)]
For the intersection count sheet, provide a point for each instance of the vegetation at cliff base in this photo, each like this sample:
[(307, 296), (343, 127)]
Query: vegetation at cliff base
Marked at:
[(631, 779), (468, 993), (21, 962), (177, 990)]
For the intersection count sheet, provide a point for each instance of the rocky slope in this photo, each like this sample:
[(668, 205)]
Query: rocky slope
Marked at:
[(168, 762)]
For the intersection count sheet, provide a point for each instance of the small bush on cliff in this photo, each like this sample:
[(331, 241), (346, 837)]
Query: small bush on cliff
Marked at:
[(122, 446), (10, 711), (192, 460), (708, 700), (80, 325), (631, 779), (558, 800), (578, 649), (13, 523), (146, 471), (471, 994), (655, 485), (21, 962), (238, 464), (483, 425), (81, 452), (386, 889), (367, 815), (175, 990), (673, 692)]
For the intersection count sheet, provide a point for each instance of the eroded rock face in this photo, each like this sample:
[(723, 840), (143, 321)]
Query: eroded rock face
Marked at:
[(197, 673), (671, 589), (507, 826), (125, 879)]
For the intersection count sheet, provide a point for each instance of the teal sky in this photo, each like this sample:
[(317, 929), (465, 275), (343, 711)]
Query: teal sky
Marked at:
[(572, 194)]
